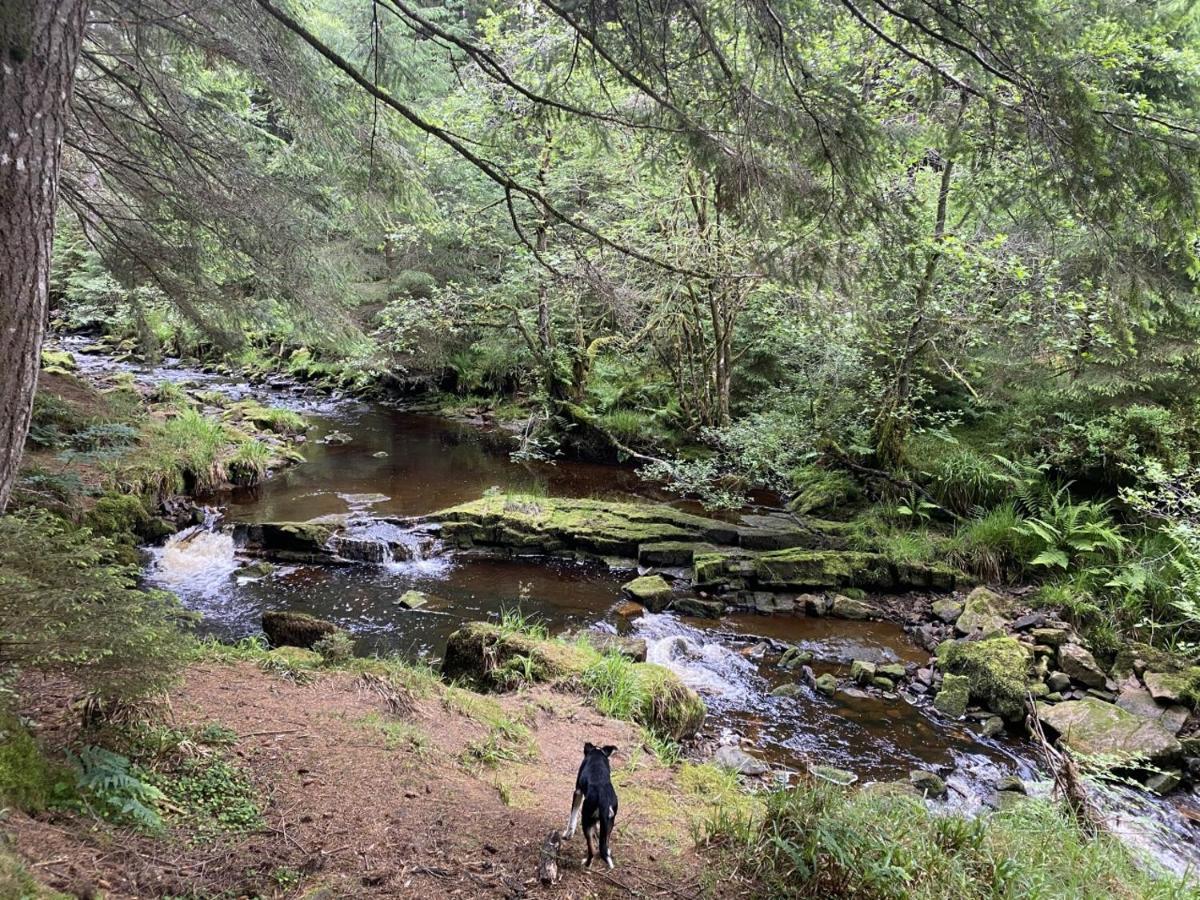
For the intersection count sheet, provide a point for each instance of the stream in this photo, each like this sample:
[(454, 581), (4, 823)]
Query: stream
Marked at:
[(398, 463)]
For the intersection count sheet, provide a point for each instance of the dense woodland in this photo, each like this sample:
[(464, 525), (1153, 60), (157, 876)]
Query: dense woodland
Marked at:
[(926, 267)]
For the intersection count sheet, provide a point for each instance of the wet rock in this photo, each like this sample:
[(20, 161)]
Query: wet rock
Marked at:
[(1164, 782), (258, 568), (412, 599), (862, 671), (1138, 700), (827, 684), (788, 690), (1058, 681), (1096, 728), (1081, 666), (336, 437), (951, 700), (630, 610), (290, 541), (755, 651), (928, 783), (833, 774), (735, 759), (927, 637), (843, 607), (294, 629), (884, 684), (947, 609), (814, 604), (1051, 637), (794, 657), (652, 591), (894, 671), (1012, 783), (808, 677), (925, 675), (984, 612), (698, 608), (917, 688), (992, 726)]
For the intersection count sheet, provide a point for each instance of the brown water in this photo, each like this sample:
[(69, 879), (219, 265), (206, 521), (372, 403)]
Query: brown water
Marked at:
[(403, 464)]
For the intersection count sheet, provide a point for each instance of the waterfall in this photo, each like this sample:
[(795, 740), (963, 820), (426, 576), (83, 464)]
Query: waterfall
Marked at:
[(197, 561), (701, 661), (398, 549)]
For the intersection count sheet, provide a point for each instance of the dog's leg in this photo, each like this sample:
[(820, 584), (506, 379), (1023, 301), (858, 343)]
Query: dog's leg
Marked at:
[(606, 824), (587, 836), (573, 819)]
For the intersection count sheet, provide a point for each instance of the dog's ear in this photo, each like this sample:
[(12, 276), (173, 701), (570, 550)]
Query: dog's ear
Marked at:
[(609, 750), (588, 747)]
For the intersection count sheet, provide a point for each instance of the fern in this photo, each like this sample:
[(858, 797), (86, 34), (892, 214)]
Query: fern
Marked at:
[(114, 783)]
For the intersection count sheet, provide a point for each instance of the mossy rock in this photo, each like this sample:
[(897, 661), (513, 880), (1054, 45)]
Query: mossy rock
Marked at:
[(1094, 728), (293, 629), (61, 360), (652, 591), (985, 612), (287, 541), (995, 670), (953, 696), (801, 569), (670, 708), (482, 656)]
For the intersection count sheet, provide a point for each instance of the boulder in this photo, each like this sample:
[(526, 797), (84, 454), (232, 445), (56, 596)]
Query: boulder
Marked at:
[(1012, 783), (1095, 728), (894, 671), (1058, 682), (1162, 783), (789, 690), (993, 726), (1081, 666), (984, 612), (652, 591), (630, 609), (735, 759), (631, 648), (1173, 687), (294, 629), (928, 783), (843, 607), (1051, 637), (953, 696), (995, 671), (768, 604), (288, 541)]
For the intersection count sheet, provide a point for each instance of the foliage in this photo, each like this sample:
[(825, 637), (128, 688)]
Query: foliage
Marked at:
[(119, 789), (820, 840), (28, 780), (66, 605)]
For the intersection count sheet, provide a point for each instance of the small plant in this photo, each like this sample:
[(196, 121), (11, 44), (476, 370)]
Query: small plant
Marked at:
[(213, 794), (249, 463), (335, 649), (514, 621), (118, 788), (1068, 533)]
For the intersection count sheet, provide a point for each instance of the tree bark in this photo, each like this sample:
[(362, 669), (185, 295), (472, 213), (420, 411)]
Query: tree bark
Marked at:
[(39, 48)]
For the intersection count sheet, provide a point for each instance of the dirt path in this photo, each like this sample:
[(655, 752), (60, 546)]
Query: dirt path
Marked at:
[(362, 801)]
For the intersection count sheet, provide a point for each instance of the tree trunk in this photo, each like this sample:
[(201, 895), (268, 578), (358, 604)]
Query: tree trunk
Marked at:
[(39, 47)]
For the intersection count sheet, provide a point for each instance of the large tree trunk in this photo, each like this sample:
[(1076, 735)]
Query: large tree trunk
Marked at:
[(39, 47)]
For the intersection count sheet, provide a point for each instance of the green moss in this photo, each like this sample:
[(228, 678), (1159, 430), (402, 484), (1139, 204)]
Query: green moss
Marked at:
[(669, 707), (58, 359), (996, 671), (487, 657), (28, 780)]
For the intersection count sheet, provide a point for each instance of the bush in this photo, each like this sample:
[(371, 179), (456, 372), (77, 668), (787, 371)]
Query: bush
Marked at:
[(28, 780), (991, 546), (67, 606)]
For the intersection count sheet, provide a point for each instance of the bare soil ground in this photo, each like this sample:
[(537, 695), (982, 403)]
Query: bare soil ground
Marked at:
[(362, 801)]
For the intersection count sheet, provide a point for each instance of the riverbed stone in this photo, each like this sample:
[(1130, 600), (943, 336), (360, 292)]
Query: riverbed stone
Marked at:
[(632, 648), (768, 603), (1095, 728), (788, 690), (735, 759), (947, 609), (1051, 637), (666, 553), (413, 600), (952, 698), (255, 569), (1164, 782), (894, 671), (289, 541), (827, 684), (930, 784), (862, 671), (992, 727), (295, 629), (1081, 666), (833, 774), (884, 684), (984, 612), (1012, 783), (794, 657), (843, 607), (630, 609), (652, 591)]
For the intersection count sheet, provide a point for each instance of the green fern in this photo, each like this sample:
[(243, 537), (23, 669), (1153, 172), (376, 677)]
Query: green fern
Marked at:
[(115, 784)]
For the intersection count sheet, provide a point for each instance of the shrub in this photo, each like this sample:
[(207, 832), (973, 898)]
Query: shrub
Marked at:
[(991, 546), (335, 649), (249, 463), (66, 605), (28, 780), (117, 788)]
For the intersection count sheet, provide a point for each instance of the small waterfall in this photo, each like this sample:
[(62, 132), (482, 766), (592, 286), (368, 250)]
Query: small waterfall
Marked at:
[(702, 662), (196, 561), (398, 549)]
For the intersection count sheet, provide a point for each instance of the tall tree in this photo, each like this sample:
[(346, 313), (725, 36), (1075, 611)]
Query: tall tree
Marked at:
[(40, 42)]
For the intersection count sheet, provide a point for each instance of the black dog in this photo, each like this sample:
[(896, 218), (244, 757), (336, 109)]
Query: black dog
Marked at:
[(595, 797)]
